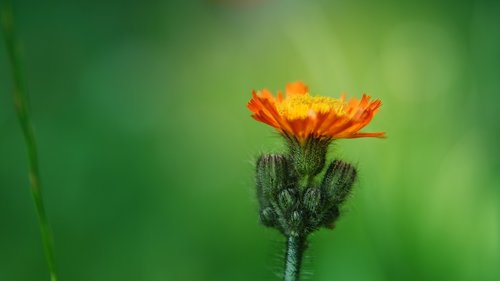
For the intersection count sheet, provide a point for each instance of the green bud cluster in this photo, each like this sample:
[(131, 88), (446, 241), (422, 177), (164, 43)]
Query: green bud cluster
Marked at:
[(291, 198)]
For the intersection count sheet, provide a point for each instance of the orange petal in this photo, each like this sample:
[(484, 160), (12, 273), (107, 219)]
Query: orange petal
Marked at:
[(296, 88)]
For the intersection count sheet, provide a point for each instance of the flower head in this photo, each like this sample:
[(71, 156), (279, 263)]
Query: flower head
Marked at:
[(299, 115)]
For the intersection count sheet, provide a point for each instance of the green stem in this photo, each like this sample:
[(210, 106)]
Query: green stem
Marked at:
[(295, 247), (21, 104)]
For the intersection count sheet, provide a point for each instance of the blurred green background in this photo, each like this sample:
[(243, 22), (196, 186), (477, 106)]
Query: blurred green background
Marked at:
[(147, 148)]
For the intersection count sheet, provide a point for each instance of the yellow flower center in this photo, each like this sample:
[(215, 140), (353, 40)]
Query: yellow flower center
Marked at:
[(306, 106)]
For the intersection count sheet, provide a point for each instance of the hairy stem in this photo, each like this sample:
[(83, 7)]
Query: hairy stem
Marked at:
[(21, 104), (295, 247)]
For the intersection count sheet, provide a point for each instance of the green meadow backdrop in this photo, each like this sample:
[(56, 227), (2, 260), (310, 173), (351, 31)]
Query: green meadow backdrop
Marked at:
[(147, 148)]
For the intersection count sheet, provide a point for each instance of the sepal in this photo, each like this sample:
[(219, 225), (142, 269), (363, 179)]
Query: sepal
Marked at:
[(308, 158)]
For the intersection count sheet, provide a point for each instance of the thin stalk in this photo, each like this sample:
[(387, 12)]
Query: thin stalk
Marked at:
[(21, 105), (295, 247)]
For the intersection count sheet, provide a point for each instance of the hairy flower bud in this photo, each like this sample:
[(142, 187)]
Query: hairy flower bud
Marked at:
[(338, 181), (295, 222), (330, 216), (287, 199), (271, 176), (312, 199), (268, 217)]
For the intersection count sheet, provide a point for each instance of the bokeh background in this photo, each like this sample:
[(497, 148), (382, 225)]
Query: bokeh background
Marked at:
[(147, 148)]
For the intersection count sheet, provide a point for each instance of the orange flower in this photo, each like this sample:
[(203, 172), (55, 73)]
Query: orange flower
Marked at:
[(300, 116)]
